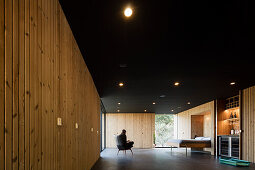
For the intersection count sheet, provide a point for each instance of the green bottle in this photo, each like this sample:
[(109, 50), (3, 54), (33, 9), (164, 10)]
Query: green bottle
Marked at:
[(231, 115)]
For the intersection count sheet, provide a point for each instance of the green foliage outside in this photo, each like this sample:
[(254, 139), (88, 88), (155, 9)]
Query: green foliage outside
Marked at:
[(164, 129)]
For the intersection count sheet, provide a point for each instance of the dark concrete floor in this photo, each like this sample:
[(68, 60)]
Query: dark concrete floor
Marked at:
[(159, 159)]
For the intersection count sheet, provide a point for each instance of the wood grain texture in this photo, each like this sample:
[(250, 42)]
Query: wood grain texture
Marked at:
[(248, 120), (2, 85), (43, 77), (207, 124), (8, 83), (140, 128), (21, 141), (27, 84), (184, 122), (15, 115), (197, 126), (224, 126)]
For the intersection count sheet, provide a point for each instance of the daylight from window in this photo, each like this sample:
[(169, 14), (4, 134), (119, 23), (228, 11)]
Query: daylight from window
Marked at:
[(165, 129)]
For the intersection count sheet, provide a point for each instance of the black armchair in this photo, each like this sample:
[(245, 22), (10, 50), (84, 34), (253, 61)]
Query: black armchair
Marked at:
[(122, 147)]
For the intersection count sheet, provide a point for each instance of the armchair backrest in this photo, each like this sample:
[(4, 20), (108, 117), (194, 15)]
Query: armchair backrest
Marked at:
[(118, 142), (116, 137)]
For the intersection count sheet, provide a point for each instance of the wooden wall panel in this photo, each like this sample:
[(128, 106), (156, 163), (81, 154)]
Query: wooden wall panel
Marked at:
[(148, 130), (27, 83), (140, 128), (2, 85), (43, 77), (15, 81), (21, 115), (197, 126), (112, 129), (207, 124), (184, 122), (248, 121), (223, 127), (8, 83), (137, 130)]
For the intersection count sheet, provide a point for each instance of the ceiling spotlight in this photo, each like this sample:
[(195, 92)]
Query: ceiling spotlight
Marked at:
[(162, 96), (176, 83), (118, 110), (172, 110), (121, 84), (118, 103), (128, 12), (145, 110), (188, 103), (232, 83), (123, 65), (153, 103)]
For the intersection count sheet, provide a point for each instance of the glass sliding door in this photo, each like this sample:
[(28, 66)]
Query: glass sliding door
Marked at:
[(103, 131), (103, 127), (165, 129)]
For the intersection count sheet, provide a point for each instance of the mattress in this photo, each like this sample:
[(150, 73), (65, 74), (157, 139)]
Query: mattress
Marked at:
[(190, 143)]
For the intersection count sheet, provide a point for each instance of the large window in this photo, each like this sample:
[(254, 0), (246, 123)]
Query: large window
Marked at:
[(103, 127), (165, 129)]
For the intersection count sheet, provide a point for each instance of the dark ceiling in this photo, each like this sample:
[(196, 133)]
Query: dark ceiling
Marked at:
[(202, 44)]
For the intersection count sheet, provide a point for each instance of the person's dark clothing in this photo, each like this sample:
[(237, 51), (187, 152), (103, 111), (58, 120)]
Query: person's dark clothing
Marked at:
[(129, 145), (122, 141)]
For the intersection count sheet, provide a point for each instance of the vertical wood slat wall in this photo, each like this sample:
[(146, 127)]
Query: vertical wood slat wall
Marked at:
[(2, 85), (140, 128), (42, 77), (248, 121)]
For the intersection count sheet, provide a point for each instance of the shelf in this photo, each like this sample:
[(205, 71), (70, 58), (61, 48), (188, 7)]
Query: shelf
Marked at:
[(232, 102), (232, 119)]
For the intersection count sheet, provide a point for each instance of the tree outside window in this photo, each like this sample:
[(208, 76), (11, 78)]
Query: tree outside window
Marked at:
[(164, 129)]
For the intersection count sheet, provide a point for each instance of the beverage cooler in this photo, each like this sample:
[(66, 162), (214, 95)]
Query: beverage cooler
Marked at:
[(228, 146)]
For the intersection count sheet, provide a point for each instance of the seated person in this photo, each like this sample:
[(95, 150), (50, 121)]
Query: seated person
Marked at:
[(122, 140)]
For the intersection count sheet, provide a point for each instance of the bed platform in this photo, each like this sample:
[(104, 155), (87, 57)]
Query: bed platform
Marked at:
[(190, 143)]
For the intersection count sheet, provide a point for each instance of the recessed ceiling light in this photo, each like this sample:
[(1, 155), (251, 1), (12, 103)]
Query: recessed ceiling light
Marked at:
[(153, 103), (119, 103), (128, 12), (232, 83), (118, 110), (121, 84), (188, 103), (176, 83), (172, 110), (145, 110), (123, 65)]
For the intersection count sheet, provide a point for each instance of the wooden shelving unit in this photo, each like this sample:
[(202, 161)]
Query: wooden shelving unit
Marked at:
[(228, 119), (232, 102)]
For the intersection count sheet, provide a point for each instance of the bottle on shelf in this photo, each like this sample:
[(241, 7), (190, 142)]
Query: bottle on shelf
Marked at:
[(232, 131), (235, 115), (231, 115)]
